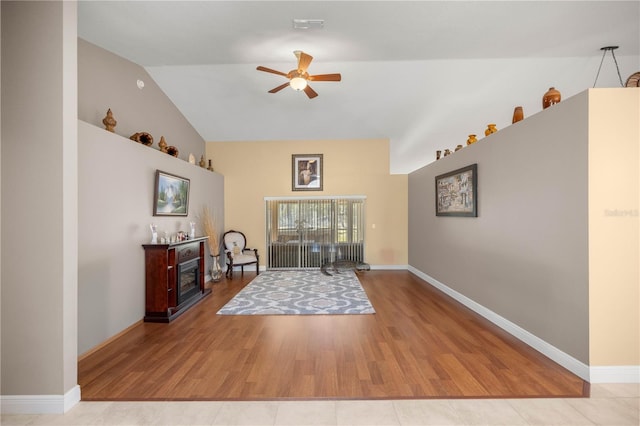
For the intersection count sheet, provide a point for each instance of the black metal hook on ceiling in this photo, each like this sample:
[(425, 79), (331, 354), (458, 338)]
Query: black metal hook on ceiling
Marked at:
[(605, 50)]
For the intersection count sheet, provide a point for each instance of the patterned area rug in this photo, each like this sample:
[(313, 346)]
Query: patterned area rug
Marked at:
[(305, 292)]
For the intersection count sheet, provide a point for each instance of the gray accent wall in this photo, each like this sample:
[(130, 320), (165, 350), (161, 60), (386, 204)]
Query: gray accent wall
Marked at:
[(116, 192), (525, 257), (116, 188), (106, 80)]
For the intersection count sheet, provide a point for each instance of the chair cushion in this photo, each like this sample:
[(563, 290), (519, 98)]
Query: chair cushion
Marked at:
[(244, 258), (234, 237)]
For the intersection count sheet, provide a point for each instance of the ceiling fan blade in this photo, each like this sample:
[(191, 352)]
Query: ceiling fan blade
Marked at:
[(265, 69), (279, 88), (303, 61), (325, 77), (310, 92)]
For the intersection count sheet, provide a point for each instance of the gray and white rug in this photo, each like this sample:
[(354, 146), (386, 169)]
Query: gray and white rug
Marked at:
[(302, 292)]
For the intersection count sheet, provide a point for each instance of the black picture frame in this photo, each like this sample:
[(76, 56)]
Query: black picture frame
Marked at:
[(307, 172), (171, 195), (457, 192)]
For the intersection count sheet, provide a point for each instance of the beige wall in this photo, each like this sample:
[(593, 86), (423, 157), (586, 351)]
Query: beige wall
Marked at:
[(254, 170), (614, 231)]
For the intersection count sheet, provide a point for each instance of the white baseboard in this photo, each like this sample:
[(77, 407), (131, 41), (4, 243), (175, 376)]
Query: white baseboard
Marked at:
[(615, 374), (39, 404)]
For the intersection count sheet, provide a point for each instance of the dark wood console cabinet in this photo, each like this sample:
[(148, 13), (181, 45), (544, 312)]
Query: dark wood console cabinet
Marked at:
[(165, 266)]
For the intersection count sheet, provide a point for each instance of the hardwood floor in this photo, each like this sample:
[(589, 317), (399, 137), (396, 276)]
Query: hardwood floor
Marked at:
[(419, 344)]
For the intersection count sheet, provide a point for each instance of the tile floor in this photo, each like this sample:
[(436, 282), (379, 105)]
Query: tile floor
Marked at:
[(610, 405)]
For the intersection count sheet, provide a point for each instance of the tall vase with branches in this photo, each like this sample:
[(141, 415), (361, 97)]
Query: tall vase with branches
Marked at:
[(209, 226)]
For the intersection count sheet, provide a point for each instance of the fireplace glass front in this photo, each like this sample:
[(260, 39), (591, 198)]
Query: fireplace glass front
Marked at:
[(188, 280)]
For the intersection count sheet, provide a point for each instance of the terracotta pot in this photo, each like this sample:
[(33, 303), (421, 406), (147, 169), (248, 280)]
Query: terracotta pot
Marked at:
[(518, 114), (108, 121), (472, 139), (491, 128), (552, 97), (172, 150), (162, 144), (142, 137)]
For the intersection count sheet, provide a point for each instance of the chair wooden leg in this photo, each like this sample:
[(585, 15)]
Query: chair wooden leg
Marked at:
[(229, 271)]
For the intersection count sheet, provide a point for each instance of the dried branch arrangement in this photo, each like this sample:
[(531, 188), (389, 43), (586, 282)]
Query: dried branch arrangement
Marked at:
[(209, 226)]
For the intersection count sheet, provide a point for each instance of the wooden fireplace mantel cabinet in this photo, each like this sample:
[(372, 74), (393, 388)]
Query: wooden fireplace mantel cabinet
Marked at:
[(162, 267)]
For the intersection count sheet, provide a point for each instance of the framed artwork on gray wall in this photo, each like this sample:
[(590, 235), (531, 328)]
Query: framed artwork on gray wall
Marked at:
[(171, 195), (306, 172), (457, 192)]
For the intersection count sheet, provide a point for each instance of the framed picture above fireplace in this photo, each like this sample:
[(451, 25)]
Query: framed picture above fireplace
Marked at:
[(171, 195)]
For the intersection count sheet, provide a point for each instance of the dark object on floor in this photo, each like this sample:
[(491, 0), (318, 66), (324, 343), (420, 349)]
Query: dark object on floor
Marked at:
[(342, 265)]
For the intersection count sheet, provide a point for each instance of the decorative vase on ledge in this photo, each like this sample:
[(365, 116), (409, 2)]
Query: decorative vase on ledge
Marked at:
[(518, 114), (162, 144), (491, 128), (109, 122), (216, 269), (552, 97)]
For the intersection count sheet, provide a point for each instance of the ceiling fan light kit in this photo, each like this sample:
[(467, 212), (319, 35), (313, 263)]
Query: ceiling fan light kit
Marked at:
[(298, 83), (299, 78)]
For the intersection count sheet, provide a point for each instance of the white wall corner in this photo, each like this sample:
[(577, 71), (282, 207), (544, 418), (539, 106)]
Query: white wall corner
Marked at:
[(40, 404), (576, 367), (615, 374)]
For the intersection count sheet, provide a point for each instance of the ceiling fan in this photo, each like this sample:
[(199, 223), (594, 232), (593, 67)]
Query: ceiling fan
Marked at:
[(299, 78)]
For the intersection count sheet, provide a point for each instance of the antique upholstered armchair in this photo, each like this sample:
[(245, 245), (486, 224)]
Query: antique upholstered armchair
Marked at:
[(238, 254)]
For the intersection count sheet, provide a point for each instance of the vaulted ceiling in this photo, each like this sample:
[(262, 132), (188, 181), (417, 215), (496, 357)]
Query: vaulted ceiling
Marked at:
[(424, 74)]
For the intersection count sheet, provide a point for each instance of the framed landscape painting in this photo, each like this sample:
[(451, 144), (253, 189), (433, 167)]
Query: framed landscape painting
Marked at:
[(306, 172), (171, 195), (457, 192)]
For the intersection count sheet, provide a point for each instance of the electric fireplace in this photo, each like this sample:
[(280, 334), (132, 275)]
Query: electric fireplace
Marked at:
[(174, 278), (188, 280)]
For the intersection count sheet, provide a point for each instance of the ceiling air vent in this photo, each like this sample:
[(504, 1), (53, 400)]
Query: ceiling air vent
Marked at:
[(308, 24)]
